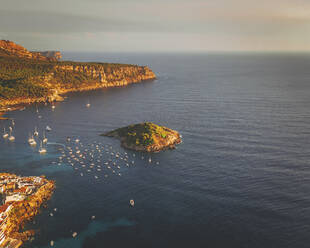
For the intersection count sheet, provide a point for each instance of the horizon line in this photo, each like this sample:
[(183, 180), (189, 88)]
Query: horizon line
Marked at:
[(192, 51)]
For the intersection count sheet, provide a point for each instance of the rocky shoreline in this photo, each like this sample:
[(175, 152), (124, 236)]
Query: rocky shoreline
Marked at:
[(24, 197), (57, 94)]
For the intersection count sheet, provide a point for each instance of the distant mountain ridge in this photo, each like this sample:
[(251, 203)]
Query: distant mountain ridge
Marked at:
[(10, 48)]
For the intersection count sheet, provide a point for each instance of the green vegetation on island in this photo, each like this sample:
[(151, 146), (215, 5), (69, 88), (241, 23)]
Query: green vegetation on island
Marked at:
[(146, 137)]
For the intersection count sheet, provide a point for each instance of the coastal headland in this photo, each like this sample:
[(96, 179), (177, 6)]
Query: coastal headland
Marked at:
[(147, 137), (28, 77), (22, 199)]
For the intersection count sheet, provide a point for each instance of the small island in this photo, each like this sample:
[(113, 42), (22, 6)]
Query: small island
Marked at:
[(22, 199), (147, 137)]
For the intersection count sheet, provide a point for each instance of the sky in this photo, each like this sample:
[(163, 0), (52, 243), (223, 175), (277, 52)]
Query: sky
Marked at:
[(157, 25)]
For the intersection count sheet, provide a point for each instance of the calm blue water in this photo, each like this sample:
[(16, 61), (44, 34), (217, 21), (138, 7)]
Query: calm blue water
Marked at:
[(241, 177)]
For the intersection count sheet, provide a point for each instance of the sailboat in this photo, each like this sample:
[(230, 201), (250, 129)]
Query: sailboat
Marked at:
[(11, 137), (30, 139), (42, 149), (35, 133), (44, 138), (5, 134)]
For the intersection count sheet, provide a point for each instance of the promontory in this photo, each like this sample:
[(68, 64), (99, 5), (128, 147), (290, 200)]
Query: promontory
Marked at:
[(27, 77), (147, 137), (22, 198)]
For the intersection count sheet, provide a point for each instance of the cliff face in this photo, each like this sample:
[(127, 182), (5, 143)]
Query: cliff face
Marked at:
[(103, 77), (9, 48), (56, 55)]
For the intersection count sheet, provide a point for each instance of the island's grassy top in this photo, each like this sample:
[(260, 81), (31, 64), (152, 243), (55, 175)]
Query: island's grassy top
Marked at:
[(143, 134)]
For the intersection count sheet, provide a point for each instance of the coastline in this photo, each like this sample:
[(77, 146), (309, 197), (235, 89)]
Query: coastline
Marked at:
[(24, 196), (58, 94), (36, 77), (1, 116)]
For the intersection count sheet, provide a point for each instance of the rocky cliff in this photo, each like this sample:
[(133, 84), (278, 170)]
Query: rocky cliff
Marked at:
[(51, 54), (101, 76), (9, 48)]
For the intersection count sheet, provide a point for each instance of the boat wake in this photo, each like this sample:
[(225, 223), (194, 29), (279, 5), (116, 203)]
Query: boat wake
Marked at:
[(56, 144)]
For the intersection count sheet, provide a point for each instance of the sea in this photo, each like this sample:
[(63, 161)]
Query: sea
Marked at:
[(240, 178)]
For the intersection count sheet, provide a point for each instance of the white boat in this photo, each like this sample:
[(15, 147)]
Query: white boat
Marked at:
[(33, 143), (44, 138), (11, 137), (48, 128), (132, 203), (35, 133), (30, 139), (42, 150), (5, 134)]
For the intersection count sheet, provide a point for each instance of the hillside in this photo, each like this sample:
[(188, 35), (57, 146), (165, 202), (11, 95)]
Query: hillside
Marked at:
[(27, 77)]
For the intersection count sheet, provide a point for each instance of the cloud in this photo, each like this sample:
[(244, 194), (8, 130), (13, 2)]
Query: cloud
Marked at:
[(165, 24), (46, 22)]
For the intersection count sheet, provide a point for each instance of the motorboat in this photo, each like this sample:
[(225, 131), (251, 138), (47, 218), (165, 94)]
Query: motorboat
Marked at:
[(33, 143), (31, 139)]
